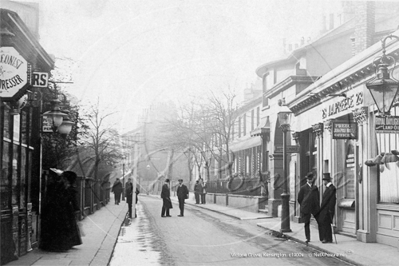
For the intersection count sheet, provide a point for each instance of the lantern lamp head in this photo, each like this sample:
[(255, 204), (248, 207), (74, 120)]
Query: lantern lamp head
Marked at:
[(384, 88)]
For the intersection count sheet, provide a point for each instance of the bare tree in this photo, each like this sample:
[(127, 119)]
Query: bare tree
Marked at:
[(102, 139)]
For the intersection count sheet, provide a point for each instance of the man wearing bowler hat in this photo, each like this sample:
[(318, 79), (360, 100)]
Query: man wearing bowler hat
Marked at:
[(182, 194), (308, 198), (327, 210)]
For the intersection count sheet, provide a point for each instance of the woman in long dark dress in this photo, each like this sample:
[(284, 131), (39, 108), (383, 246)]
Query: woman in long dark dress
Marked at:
[(53, 215), (59, 230), (72, 206)]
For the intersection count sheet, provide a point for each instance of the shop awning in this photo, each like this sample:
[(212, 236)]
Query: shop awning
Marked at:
[(246, 144)]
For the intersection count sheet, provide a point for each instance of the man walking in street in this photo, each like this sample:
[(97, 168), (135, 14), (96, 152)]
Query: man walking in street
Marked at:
[(167, 203), (182, 194), (308, 198), (129, 195), (327, 210)]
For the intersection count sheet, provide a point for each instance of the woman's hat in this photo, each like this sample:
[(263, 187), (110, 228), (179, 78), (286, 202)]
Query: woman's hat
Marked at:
[(167, 180), (326, 176)]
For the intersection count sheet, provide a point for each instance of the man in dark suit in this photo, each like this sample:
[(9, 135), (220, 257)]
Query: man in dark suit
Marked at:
[(129, 195), (182, 194), (327, 210), (308, 198), (167, 203)]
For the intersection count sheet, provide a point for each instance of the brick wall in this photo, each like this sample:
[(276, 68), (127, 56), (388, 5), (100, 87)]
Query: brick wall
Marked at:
[(364, 26)]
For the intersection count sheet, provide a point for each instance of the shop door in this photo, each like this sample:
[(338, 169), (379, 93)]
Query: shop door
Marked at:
[(346, 171)]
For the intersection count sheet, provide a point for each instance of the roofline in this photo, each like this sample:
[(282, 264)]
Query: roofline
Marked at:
[(352, 70), (14, 17)]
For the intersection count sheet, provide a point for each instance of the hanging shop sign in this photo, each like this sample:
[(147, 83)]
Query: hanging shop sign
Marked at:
[(387, 124), (13, 72), (349, 102), (47, 123), (40, 79), (344, 130)]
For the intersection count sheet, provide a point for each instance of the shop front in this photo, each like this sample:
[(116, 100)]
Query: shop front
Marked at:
[(20, 56), (339, 128)]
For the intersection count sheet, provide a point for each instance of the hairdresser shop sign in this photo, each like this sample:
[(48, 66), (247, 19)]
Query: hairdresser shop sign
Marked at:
[(13, 72)]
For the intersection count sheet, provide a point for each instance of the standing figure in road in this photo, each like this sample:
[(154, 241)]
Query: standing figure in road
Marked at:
[(197, 191), (308, 198), (203, 192), (129, 195), (117, 189), (182, 194), (167, 203), (327, 210)]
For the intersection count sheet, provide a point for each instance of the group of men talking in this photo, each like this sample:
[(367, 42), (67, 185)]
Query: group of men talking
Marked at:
[(309, 200)]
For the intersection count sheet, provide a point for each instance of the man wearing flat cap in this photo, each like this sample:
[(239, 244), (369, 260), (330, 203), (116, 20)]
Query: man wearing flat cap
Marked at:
[(327, 210), (167, 203), (308, 198), (182, 194)]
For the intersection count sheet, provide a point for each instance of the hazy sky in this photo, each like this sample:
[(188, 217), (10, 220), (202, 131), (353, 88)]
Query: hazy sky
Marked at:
[(132, 53)]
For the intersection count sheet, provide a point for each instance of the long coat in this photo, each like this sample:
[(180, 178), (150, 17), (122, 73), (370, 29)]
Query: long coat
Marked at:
[(129, 192), (165, 195), (198, 188), (308, 198), (182, 192), (73, 209), (117, 187), (58, 225), (327, 207)]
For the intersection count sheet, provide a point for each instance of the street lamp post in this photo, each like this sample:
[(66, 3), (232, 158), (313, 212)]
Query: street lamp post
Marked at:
[(383, 88), (123, 178), (284, 118)]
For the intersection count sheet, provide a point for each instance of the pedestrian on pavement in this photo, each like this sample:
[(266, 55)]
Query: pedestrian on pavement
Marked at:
[(117, 189), (327, 210), (308, 198), (197, 191), (73, 209), (203, 192), (129, 196), (59, 229), (182, 194), (167, 203)]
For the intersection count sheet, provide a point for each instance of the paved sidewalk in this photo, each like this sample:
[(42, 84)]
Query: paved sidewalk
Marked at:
[(101, 232), (347, 248)]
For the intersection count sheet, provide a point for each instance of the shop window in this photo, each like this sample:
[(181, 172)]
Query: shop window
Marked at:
[(24, 127), (22, 199), (7, 124), (247, 165), (5, 175), (389, 171), (350, 169), (14, 175), (16, 128)]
